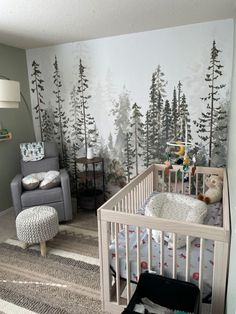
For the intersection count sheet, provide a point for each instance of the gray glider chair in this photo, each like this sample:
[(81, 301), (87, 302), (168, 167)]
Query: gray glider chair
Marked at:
[(58, 197)]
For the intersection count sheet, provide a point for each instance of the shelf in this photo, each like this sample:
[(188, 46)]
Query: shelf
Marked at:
[(90, 174), (7, 138), (84, 160)]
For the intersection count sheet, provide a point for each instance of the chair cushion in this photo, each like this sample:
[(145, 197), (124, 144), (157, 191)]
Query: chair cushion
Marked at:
[(40, 197)]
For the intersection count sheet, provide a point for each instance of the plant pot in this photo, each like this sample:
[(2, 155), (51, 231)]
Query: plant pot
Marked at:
[(90, 199)]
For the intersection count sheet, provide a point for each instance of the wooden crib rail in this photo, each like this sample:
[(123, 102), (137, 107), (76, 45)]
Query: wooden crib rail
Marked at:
[(187, 229)]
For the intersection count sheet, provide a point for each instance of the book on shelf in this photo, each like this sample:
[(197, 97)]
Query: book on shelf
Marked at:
[(4, 136)]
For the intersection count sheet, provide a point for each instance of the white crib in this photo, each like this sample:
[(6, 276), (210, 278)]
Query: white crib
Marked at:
[(119, 212)]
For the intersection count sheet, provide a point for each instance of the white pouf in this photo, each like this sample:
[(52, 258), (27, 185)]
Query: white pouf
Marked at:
[(37, 225)]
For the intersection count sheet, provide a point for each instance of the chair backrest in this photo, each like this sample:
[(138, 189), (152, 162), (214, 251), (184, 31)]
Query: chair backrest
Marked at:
[(49, 162)]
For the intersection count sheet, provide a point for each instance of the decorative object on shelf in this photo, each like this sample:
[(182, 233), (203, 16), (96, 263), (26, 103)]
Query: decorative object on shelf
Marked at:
[(9, 94), (90, 154), (89, 195)]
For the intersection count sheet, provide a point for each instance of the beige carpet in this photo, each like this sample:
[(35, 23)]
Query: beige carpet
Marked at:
[(66, 281)]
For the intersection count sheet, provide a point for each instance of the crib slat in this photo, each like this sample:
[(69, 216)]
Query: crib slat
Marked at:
[(190, 182), (174, 256), (187, 258), (196, 184), (161, 252), (203, 183), (176, 181), (202, 242), (169, 181), (138, 251), (163, 181), (150, 249), (127, 262), (183, 192), (117, 265)]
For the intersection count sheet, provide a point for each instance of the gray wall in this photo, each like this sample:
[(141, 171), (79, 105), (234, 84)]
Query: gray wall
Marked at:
[(18, 121), (231, 294)]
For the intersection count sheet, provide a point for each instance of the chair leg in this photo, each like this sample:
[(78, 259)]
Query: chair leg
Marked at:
[(43, 248)]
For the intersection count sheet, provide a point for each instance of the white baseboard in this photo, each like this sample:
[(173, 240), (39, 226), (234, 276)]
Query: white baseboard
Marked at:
[(6, 211)]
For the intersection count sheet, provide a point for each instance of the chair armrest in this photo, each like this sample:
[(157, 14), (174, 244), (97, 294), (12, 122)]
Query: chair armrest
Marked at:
[(65, 185), (16, 191)]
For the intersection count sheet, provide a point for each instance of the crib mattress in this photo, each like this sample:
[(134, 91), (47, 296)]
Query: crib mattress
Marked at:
[(214, 217)]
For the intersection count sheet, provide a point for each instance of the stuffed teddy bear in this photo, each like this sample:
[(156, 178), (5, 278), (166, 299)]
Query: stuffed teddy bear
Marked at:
[(214, 192)]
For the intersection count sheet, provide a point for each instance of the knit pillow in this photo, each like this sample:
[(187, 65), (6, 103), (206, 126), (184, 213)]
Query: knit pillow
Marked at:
[(30, 182), (50, 180)]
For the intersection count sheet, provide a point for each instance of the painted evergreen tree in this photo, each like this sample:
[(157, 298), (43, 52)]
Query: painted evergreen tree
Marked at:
[(38, 88), (179, 98), (136, 125), (88, 130), (75, 135), (153, 113), (167, 122), (146, 147), (208, 121), (60, 118), (157, 94), (121, 112), (129, 156), (161, 83), (47, 126), (219, 150), (185, 119), (175, 118)]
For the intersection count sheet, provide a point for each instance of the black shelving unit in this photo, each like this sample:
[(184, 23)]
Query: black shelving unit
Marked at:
[(89, 174)]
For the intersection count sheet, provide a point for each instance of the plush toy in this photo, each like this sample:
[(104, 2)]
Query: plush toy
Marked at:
[(214, 192)]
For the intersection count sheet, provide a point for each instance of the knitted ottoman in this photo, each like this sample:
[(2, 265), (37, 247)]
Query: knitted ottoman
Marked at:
[(37, 225)]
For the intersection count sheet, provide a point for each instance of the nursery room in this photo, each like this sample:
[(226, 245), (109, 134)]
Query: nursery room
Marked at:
[(117, 126)]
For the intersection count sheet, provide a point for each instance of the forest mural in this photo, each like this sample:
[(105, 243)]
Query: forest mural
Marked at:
[(127, 96)]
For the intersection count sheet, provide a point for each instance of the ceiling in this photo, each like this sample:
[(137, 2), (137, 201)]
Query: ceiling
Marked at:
[(37, 23)]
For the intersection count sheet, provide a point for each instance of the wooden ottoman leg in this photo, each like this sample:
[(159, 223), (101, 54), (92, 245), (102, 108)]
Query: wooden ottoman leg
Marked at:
[(43, 248)]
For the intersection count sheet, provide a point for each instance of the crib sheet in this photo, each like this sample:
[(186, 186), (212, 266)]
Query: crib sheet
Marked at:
[(214, 217)]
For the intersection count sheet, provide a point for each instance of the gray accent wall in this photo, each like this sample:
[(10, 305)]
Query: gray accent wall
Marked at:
[(18, 121)]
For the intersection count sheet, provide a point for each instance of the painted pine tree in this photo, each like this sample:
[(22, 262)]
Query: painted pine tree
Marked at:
[(208, 120), (37, 89), (60, 118), (136, 126), (88, 129), (146, 146), (175, 118), (129, 156), (75, 135), (167, 122), (161, 83), (219, 150), (157, 94), (153, 113), (179, 98), (47, 126), (185, 119), (121, 113)]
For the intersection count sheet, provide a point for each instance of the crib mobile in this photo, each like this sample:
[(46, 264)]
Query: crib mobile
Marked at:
[(182, 155)]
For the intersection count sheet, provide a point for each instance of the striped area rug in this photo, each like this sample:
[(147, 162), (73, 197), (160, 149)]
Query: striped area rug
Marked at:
[(65, 282)]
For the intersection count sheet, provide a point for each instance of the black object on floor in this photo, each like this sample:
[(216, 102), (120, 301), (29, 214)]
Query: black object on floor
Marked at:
[(171, 293)]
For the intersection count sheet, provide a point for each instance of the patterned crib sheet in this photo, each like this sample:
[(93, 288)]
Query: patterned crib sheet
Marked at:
[(214, 217)]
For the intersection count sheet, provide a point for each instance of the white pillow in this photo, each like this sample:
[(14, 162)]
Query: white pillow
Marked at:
[(30, 182), (177, 207), (50, 180)]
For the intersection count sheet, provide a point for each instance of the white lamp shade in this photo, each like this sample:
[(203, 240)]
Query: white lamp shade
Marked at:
[(9, 94)]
